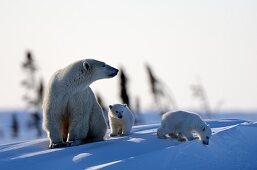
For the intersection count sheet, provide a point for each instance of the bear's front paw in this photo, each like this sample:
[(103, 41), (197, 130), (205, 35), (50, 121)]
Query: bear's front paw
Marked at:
[(124, 134), (76, 142), (173, 135), (181, 139), (112, 135), (57, 145)]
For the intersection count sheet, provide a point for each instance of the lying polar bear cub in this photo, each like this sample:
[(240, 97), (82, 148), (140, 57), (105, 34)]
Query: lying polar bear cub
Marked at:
[(181, 124), (121, 119)]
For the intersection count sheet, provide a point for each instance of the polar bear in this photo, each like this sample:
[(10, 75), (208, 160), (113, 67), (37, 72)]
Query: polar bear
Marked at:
[(181, 124), (121, 119), (71, 113)]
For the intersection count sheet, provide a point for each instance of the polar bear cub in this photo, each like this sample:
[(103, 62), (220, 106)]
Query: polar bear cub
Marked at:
[(181, 124), (71, 113), (121, 119)]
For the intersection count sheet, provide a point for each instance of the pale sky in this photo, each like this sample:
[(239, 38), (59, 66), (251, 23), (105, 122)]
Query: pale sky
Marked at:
[(214, 41)]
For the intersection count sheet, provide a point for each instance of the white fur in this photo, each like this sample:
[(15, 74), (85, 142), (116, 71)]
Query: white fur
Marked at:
[(70, 109), (181, 124), (120, 126)]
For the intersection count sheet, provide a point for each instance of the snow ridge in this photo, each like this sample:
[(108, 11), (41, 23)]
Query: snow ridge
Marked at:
[(232, 146)]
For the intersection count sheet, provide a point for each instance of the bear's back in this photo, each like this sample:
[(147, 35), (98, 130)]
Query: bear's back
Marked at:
[(180, 117), (130, 115)]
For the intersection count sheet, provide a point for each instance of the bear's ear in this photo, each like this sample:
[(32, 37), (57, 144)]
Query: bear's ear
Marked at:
[(86, 65), (125, 105)]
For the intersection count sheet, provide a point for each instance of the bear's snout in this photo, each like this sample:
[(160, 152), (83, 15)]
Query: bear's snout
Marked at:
[(110, 106), (116, 71), (112, 71), (120, 116), (206, 142)]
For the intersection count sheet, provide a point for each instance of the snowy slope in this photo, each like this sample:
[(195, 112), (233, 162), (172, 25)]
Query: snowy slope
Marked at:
[(232, 146)]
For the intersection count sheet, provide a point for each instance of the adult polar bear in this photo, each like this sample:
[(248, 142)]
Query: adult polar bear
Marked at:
[(181, 124), (70, 110)]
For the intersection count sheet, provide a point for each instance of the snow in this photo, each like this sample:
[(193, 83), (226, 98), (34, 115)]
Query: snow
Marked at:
[(233, 146)]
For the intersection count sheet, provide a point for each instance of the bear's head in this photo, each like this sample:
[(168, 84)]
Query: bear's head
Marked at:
[(117, 110), (96, 70), (205, 133)]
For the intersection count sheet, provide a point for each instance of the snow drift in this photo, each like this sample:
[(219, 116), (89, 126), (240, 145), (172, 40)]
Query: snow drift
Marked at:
[(233, 146)]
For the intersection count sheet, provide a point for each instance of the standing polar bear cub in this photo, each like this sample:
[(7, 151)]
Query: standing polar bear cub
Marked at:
[(71, 114), (181, 124), (121, 119)]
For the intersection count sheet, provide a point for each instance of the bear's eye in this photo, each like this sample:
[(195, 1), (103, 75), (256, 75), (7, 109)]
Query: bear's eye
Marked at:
[(122, 111), (117, 112), (103, 65), (207, 137), (203, 129), (87, 66)]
